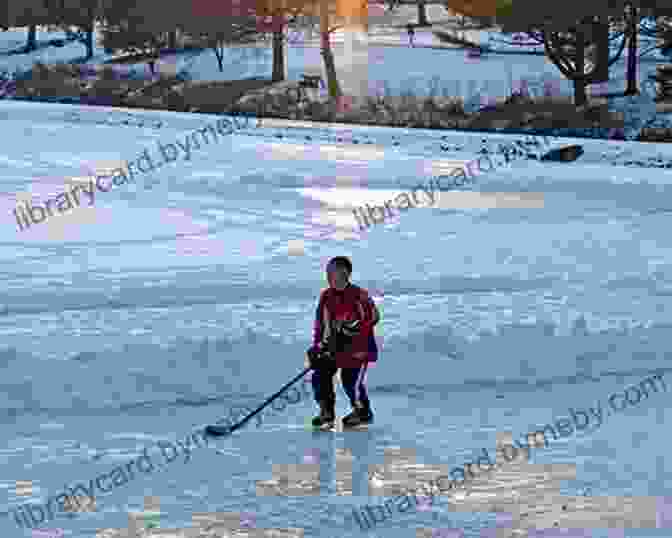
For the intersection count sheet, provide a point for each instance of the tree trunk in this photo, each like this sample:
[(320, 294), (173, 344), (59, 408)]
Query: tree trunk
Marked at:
[(422, 14), (219, 53), (278, 56), (330, 67), (580, 98), (89, 42), (327, 55), (631, 73), (31, 44)]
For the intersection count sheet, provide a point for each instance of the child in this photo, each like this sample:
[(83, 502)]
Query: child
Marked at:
[(344, 339), (411, 33)]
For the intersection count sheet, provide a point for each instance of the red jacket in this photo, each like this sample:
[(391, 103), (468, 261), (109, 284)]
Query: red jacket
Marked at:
[(349, 304)]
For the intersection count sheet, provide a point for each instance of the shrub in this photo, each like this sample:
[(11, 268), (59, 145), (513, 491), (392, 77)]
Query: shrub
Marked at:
[(116, 38)]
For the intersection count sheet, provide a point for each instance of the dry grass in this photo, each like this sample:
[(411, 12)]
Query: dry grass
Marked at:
[(63, 80), (214, 97), (442, 112), (438, 110), (447, 37)]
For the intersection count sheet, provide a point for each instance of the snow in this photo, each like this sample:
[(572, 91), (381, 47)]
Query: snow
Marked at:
[(192, 290)]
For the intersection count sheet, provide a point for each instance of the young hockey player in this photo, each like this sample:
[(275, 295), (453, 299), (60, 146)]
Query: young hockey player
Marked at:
[(343, 338)]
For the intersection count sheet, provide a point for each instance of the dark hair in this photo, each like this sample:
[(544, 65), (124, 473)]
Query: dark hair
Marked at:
[(341, 261)]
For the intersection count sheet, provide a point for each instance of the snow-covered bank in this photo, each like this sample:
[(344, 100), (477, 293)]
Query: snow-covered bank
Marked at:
[(481, 82)]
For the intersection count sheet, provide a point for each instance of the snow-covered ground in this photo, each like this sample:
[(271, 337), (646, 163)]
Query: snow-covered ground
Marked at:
[(115, 338), (493, 319)]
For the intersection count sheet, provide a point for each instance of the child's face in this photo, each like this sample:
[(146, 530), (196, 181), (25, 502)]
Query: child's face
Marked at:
[(337, 277)]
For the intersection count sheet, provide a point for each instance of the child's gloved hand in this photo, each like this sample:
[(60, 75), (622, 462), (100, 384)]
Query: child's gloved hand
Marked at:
[(317, 357), (351, 328)]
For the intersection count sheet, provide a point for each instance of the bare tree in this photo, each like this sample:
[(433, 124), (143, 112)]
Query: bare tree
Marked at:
[(140, 26), (30, 13), (576, 41), (328, 13), (422, 13), (80, 13), (220, 34), (275, 24), (624, 27)]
